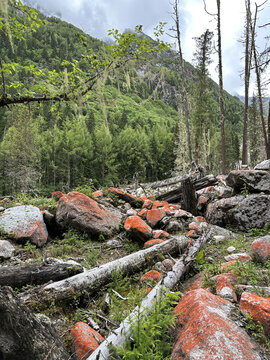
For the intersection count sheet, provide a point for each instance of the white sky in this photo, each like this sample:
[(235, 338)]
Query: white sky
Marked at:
[(97, 16)]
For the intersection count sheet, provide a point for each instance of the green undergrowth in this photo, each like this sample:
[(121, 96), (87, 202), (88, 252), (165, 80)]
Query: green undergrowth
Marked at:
[(256, 330)]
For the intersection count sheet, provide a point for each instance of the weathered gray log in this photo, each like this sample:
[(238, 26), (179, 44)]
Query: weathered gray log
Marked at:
[(123, 332), (22, 336), (166, 182), (7, 197), (175, 195), (189, 201), (36, 274), (92, 280)]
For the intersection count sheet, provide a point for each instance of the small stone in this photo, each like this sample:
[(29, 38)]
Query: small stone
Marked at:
[(261, 248), (231, 249), (219, 238), (239, 256), (7, 250), (131, 212), (152, 275), (153, 242)]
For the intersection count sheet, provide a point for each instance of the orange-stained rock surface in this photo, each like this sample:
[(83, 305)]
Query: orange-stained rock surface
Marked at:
[(258, 308), (200, 218), (57, 195), (152, 242), (143, 213), (233, 258), (152, 275), (160, 234), (183, 214), (195, 226), (85, 340), (159, 204), (98, 193), (192, 234), (168, 264), (261, 247), (225, 288), (137, 228), (80, 212), (147, 204), (125, 196), (203, 330), (154, 216), (203, 200)]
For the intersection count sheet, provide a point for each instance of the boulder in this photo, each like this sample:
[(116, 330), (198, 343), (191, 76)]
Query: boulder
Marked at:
[(261, 248), (78, 211), (7, 250), (151, 276), (258, 308), (204, 331), (154, 216), (152, 242), (264, 165), (225, 288), (160, 234), (24, 223), (138, 229), (244, 213), (85, 340), (252, 180)]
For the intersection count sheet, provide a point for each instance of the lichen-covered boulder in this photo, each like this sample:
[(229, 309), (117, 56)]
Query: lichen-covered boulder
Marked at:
[(85, 340), (258, 308), (24, 223), (138, 229), (261, 248), (80, 212), (152, 276), (153, 242), (204, 331), (252, 180), (154, 216), (244, 213)]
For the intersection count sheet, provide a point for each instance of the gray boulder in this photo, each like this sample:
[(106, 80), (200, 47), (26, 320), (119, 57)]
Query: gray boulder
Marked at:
[(80, 212), (241, 212), (7, 250), (253, 180), (24, 223), (264, 165)]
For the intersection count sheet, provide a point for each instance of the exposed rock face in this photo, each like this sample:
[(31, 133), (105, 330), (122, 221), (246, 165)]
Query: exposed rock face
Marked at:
[(242, 212), (204, 331), (138, 229), (258, 308), (152, 275), (264, 165), (261, 247), (7, 250), (85, 340), (78, 211), (24, 223), (154, 216), (152, 242), (253, 180)]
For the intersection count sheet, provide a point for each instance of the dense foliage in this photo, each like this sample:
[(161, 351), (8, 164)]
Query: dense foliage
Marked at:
[(126, 129)]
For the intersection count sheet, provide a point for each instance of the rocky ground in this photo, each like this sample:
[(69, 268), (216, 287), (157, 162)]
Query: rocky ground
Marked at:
[(73, 267)]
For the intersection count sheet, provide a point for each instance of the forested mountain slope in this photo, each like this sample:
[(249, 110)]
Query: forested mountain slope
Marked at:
[(127, 128)]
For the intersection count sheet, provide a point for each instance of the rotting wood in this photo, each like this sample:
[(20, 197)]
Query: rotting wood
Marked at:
[(22, 335), (123, 332), (175, 195), (189, 197), (92, 280), (36, 274)]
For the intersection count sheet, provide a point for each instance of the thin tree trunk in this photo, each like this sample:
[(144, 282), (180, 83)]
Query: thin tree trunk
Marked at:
[(221, 97), (92, 280), (123, 332), (268, 143)]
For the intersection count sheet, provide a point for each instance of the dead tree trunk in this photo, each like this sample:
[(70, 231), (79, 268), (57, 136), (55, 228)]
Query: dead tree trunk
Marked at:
[(92, 280), (36, 274), (123, 332), (22, 336), (189, 197)]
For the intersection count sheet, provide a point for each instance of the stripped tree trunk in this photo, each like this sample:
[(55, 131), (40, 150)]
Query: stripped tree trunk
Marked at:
[(92, 280), (123, 332)]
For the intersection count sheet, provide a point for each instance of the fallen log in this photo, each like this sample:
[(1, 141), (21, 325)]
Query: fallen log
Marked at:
[(175, 195), (36, 274), (123, 332), (189, 197), (92, 280), (22, 336)]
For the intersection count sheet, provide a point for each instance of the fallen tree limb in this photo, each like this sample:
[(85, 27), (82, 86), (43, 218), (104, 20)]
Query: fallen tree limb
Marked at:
[(36, 274), (22, 336), (123, 332), (92, 280), (175, 195)]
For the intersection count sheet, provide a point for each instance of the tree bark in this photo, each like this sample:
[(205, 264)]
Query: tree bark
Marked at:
[(189, 196), (123, 332), (92, 280), (36, 274), (22, 336)]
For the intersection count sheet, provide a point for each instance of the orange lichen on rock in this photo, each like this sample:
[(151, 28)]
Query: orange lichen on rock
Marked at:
[(195, 226), (57, 195), (147, 204), (143, 213), (154, 216), (168, 264), (152, 275), (225, 288), (261, 247), (258, 308), (137, 228), (153, 242), (200, 219), (160, 234), (192, 233), (85, 340), (203, 200), (125, 196), (98, 193), (204, 331)]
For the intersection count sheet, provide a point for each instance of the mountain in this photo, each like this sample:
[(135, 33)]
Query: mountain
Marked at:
[(126, 129), (266, 100)]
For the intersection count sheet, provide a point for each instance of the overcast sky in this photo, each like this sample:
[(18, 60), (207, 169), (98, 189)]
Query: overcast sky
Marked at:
[(95, 17)]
